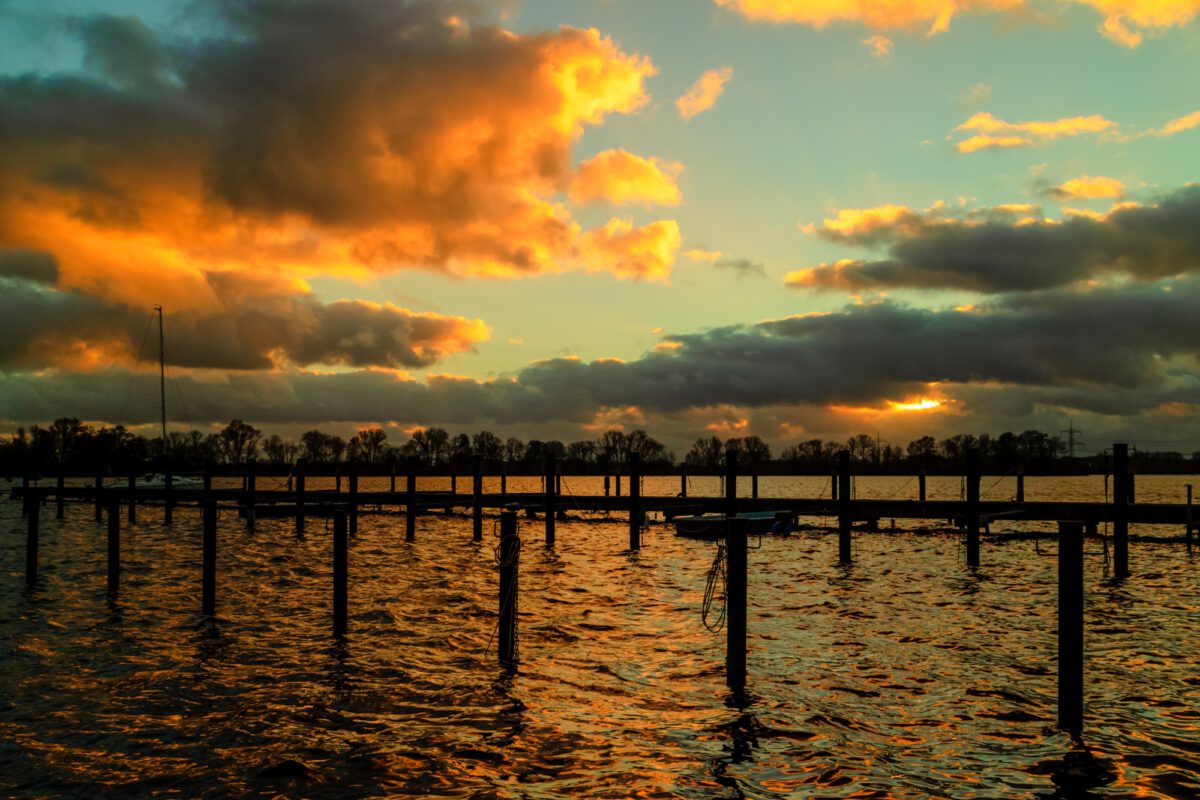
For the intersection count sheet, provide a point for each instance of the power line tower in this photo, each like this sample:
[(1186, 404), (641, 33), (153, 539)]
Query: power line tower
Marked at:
[(1073, 439)]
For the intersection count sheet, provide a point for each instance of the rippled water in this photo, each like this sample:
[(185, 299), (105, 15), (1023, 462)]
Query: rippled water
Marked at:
[(903, 675)]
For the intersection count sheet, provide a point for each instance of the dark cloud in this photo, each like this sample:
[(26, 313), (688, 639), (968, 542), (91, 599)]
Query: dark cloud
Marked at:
[(254, 327), (124, 50), (1105, 351), (28, 265), (742, 266), (1144, 243)]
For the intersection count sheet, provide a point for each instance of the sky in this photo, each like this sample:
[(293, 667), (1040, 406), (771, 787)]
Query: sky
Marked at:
[(779, 218)]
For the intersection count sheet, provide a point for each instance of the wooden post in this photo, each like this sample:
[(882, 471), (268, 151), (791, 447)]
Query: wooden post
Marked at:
[(731, 470), (31, 541), (99, 497), (114, 546), (392, 468), (736, 598), (301, 465), (973, 478), (921, 486), (843, 494), (510, 549), (618, 490), (410, 500), (352, 500), (1070, 627), (58, 494), (1190, 524), (453, 483), (1021, 484), (341, 562), (682, 483), (132, 494), (208, 576), (503, 480), (635, 501), (550, 471), (1120, 511), (754, 485), (251, 485), (25, 502), (168, 496), (477, 498), (607, 486), (558, 484), (337, 476)]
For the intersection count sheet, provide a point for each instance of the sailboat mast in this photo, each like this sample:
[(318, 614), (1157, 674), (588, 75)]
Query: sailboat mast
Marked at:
[(162, 382)]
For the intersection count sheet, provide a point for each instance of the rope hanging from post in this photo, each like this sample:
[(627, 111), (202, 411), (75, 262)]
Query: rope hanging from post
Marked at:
[(716, 588)]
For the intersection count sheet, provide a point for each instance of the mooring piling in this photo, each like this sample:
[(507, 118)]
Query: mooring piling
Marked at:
[(299, 474), (972, 521), (32, 522), (352, 498), (548, 494), (503, 481), (114, 546), (208, 576), (635, 501), (607, 486), (617, 493), (99, 498), (683, 483), (736, 595), (1120, 452), (59, 482), (842, 494), (410, 500), (341, 567), (510, 550), (1070, 627), (1190, 520), (731, 472), (477, 498), (921, 486), (251, 484), (392, 473), (25, 495), (754, 485), (1021, 484), (337, 477)]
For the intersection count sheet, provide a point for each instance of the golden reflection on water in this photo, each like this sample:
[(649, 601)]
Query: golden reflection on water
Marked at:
[(903, 675)]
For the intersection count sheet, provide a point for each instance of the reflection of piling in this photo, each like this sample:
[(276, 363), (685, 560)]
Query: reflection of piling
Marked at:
[(477, 498), (1070, 627), (731, 471), (99, 498), (132, 492), (921, 486), (208, 576), (31, 540), (410, 500), (842, 493), (352, 499), (973, 478), (635, 501), (58, 495), (1021, 484), (301, 464), (735, 604), (548, 495), (251, 482), (341, 566), (510, 548), (114, 546), (1120, 510)]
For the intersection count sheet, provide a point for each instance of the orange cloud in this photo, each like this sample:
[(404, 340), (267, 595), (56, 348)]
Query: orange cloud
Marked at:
[(1088, 188), (365, 166), (992, 132), (621, 177), (852, 224), (644, 253), (704, 92), (1185, 123), (697, 254), (1126, 21), (877, 14)]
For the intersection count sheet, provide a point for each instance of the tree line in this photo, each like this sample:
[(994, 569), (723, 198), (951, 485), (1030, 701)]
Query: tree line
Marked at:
[(71, 445)]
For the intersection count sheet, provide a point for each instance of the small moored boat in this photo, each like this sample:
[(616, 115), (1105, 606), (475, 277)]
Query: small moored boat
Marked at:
[(712, 526)]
